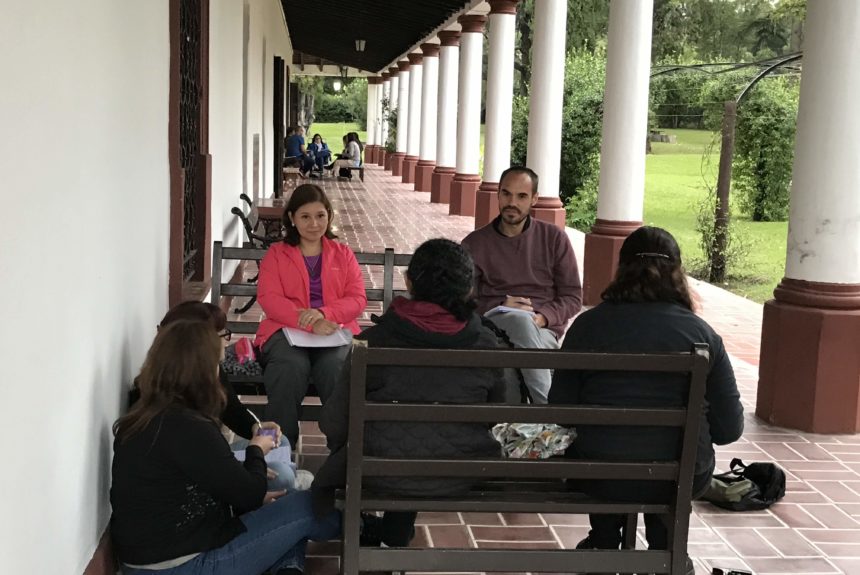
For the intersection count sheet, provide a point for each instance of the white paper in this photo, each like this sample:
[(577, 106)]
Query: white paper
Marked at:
[(301, 338), (506, 309), (276, 455)]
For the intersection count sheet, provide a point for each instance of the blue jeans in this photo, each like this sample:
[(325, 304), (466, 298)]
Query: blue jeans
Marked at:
[(286, 478), (275, 539)]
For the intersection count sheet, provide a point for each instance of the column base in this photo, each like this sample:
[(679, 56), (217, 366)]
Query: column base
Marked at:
[(380, 157), (464, 188), (602, 245), (388, 164), (370, 154), (486, 204), (423, 173), (440, 185), (397, 164), (408, 170), (809, 372), (550, 209)]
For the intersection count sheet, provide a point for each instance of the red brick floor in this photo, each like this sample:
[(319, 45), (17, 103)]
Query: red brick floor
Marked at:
[(814, 530)]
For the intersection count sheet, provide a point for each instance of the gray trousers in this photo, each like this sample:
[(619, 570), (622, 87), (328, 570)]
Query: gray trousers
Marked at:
[(525, 333), (287, 373)]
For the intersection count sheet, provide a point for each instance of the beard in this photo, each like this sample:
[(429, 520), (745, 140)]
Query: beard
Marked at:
[(513, 216)]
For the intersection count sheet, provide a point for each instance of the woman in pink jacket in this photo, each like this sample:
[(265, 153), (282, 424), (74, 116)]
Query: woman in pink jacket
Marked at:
[(309, 282)]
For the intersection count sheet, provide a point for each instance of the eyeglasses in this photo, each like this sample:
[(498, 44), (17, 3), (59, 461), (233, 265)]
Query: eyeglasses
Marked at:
[(226, 334)]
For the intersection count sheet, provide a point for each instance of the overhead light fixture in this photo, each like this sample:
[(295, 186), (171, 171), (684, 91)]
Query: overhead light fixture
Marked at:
[(359, 45), (337, 85)]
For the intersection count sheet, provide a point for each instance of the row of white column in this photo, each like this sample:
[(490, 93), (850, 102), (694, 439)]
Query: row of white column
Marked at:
[(437, 95)]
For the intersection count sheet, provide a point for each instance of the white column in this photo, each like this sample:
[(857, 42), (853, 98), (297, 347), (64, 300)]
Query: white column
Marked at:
[(625, 111), (380, 94), (395, 88), (547, 94), (386, 94), (500, 88), (824, 221), (371, 114), (446, 116), (416, 76), (469, 104), (429, 97), (403, 108)]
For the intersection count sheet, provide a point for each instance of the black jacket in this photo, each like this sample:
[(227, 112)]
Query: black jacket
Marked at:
[(653, 327), (178, 489), (235, 415), (413, 384)]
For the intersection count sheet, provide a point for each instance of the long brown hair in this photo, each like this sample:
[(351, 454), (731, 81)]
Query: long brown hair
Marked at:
[(650, 269), (181, 369), (305, 194)]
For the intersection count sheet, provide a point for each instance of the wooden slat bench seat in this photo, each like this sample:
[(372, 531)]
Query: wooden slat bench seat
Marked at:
[(516, 485)]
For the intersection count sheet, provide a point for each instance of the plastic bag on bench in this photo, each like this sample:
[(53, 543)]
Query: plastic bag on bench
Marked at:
[(533, 440)]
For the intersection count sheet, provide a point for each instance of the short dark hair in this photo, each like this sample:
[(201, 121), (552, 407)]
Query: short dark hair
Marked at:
[(649, 269), (196, 310), (305, 194), (521, 170), (442, 272)]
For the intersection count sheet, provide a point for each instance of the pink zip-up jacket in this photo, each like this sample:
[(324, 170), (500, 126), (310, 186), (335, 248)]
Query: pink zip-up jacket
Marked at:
[(283, 288)]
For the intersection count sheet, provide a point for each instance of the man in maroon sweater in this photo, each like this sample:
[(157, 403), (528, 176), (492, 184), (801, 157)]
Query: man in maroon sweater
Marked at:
[(529, 266)]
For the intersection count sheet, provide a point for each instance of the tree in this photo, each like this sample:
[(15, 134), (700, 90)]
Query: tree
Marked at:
[(310, 87)]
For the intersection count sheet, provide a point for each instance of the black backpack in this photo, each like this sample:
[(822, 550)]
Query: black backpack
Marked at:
[(747, 487)]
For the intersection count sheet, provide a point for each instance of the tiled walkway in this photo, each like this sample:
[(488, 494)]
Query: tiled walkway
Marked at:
[(814, 530)]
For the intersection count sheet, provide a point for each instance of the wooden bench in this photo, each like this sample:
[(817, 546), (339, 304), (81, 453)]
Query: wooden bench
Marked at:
[(250, 388), (516, 485)]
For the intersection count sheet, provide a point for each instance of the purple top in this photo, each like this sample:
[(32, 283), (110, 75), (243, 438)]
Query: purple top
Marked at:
[(314, 266)]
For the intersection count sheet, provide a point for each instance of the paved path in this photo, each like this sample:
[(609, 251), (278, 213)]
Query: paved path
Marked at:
[(815, 530)]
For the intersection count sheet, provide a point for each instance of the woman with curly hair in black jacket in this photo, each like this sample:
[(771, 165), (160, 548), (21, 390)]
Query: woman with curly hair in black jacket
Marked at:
[(440, 314)]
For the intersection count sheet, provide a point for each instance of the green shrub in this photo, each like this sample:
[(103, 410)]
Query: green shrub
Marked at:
[(764, 149), (582, 121), (332, 108)]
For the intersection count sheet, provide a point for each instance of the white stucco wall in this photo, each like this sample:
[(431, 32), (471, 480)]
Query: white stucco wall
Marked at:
[(267, 37), (83, 253), (84, 246)]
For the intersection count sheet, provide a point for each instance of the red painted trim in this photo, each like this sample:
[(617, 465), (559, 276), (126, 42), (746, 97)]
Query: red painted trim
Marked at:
[(430, 50), (472, 23), (818, 295), (449, 38)]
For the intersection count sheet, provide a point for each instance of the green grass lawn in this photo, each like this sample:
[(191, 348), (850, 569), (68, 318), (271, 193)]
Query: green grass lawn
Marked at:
[(674, 187), (333, 134)]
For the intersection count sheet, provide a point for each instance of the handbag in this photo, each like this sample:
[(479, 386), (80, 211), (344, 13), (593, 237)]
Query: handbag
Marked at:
[(747, 487)]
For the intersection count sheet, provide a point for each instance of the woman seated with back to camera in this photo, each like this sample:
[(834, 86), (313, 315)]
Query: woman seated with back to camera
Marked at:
[(182, 503), (646, 309), (440, 315), (308, 282)]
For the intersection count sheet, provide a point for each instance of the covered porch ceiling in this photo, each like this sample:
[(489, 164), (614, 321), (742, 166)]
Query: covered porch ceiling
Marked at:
[(390, 28)]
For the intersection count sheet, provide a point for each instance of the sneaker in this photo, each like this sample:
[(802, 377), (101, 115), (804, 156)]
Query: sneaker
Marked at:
[(304, 479)]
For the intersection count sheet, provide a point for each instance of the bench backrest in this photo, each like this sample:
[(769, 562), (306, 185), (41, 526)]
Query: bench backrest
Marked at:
[(388, 260), (679, 471)]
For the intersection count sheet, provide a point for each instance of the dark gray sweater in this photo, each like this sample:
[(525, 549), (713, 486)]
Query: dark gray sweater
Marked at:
[(653, 327)]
